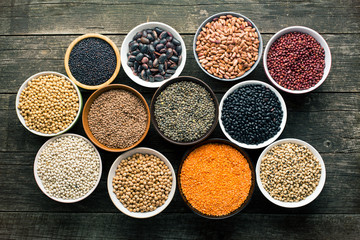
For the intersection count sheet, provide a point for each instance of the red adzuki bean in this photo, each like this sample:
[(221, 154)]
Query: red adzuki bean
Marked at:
[(296, 61)]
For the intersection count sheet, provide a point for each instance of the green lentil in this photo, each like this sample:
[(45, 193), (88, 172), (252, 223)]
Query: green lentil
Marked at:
[(184, 111)]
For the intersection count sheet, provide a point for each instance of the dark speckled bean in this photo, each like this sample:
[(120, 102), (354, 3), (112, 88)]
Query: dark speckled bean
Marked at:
[(154, 54)]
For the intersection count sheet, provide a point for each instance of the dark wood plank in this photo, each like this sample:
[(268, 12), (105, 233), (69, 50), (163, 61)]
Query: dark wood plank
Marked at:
[(73, 17), (23, 56), (19, 191), (177, 226)]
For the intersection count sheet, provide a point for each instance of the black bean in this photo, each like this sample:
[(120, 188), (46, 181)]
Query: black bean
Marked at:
[(162, 58), (136, 65), (163, 35), (161, 69), (144, 33), (159, 47), (137, 35), (178, 49), (174, 59), (162, 51), (156, 42), (130, 64), (148, 72), (139, 57), (131, 58), (169, 53), (252, 114), (151, 48), (134, 46), (158, 30), (150, 63), (170, 45), (136, 52), (176, 42), (150, 37), (155, 35), (158, 78), (145, 48), (163, 41)]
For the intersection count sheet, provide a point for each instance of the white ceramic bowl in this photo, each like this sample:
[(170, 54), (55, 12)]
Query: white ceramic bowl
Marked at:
[(125, 49), (283, 107), (318, 38), (39, 182), (210, 19), (308, 199), (111, 175), (25, 84)]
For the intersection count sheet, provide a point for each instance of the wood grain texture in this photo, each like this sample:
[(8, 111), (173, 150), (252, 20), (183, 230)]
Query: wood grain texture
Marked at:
[(34, 36), (115, 17), (178, 226), (23, 56)]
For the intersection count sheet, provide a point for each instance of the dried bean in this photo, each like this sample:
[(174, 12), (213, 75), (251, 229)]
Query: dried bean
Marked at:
[(224, 41), (153, 50)]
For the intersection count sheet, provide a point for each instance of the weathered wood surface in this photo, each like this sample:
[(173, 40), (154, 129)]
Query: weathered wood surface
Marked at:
[(34, 36), (188, 226)]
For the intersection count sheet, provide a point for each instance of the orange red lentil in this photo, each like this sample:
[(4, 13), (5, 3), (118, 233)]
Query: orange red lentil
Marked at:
[(215, 179)]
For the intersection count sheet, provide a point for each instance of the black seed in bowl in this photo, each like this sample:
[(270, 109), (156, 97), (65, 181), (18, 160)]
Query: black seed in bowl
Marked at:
[(252, 114), (92, 61)]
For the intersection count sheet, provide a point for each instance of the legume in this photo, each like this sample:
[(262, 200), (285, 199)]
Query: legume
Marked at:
[(117, 118), (49, 104), (252, 114), (68, 167), (215, 179), (296, 61), (184, 111), (290, 172), (227, 47), (92, 61), (142, 182), (154, 54)]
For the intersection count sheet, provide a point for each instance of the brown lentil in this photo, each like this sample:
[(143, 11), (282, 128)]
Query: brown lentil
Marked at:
[(215, 179), (117, 118), (290, 172), (49, 104), (227, 47), (142, 182)]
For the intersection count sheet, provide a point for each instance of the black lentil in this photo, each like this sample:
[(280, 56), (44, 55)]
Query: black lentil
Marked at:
[(184, 111), (92, 61), (154, 49), (252, 114)]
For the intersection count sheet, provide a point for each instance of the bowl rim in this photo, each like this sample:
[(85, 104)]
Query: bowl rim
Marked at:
[(253, 177), (90, 101), (25, 84), (283, 107), (209, 19), (111, 174), (318, 38), (125, 48), (39, 182), (309, 198), (76, 41), (180, 79)]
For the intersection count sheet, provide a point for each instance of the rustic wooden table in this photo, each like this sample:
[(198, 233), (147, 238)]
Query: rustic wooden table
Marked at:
[(34, 36)]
